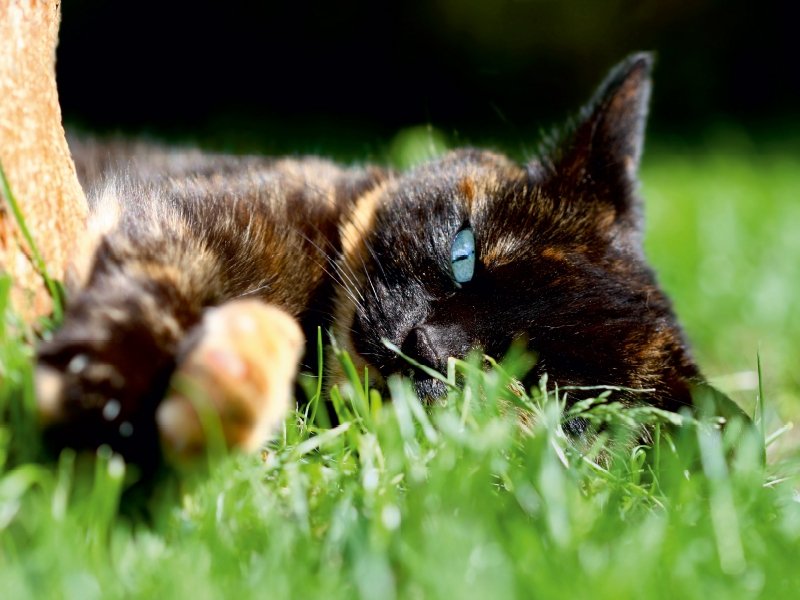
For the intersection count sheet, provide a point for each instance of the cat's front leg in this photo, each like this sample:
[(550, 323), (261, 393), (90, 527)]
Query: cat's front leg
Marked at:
[(101, 376), (239, 370), (104, 376)]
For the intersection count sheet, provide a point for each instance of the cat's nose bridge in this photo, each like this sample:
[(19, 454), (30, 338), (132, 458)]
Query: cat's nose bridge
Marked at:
[(432, 345), (419, 346)]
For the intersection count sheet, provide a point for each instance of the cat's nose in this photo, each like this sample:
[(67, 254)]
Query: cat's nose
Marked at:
[(427, 345)]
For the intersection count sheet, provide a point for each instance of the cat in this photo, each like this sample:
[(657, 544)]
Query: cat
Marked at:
[(209, 262), (204, 268)]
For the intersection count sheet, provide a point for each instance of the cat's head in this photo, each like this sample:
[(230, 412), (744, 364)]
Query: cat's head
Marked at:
[(474, 250)]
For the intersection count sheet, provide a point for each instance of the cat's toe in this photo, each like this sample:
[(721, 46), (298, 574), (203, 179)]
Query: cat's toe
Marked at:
[(84, 410), (240, 372), (49, 385), (91, 392)]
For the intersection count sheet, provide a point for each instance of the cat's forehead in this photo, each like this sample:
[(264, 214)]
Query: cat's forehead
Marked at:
[(464, 176), (429, 200), (451, 192), (413, 218)]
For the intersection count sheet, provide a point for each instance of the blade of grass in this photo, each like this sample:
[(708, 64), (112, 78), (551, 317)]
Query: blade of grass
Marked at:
[(399, 390), (56, 293), (427, 370), (210, 421), (761, 421), (724, 519), (318, 440), (359, 401), (611, 388), (776, 434), (318, 395), (66, 472)]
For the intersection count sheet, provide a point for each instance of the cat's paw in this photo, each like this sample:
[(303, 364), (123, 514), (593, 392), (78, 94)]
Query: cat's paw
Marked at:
[(240, 370), (99, 382)]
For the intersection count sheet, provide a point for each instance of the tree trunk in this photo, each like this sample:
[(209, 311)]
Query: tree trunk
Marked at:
[(34, 155)]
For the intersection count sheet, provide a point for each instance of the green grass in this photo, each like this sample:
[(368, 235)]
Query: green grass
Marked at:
[(723, 234), (458, 501)]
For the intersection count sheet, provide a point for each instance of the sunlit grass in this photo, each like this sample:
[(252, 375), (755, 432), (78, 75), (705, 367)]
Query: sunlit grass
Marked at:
[(724, 235), (456, 501)]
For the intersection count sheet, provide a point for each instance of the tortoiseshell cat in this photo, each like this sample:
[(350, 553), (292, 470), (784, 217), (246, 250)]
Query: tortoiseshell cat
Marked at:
[(206, 265)]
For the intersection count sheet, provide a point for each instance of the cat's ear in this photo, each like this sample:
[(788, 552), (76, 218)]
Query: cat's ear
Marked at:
[(598, 159)]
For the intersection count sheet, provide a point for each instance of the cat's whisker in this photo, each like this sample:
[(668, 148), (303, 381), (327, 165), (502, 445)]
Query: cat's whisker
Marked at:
[(339, 266), (371, 250), (352, 283), (333, 263), (365, 240), (347, 289), (253, 291), (371, 285)]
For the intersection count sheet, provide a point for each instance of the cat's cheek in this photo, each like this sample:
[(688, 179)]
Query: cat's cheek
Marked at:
[(237, 379), (341, 332)]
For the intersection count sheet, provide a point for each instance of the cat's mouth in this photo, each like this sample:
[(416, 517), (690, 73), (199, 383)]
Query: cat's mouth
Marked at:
[(428, 389)]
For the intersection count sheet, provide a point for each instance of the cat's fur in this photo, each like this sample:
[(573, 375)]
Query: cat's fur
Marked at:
[(176, 243), (207, 262)]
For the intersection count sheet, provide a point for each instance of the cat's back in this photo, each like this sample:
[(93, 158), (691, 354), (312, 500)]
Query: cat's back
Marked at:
[(200, 263), (247, 225)]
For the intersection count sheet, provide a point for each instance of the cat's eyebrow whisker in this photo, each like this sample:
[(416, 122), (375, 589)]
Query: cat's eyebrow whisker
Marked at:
[(334, 264), (351, 282), (338, 281), (351, 295), (349, 289), (344, 282), (348, 286), (371, 285), (253, 291), (359, 230), (340, 266), (371, 250)]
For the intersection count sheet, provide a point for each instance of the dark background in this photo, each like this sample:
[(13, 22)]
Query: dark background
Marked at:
[(320, 74)]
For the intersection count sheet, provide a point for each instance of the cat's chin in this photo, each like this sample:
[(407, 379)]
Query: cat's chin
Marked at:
[(429, 390)]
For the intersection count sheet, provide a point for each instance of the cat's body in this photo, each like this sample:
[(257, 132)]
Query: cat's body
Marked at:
[(170, 236), (556, 246)]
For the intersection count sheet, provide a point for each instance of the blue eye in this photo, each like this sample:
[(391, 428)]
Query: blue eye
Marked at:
[(462, 256)]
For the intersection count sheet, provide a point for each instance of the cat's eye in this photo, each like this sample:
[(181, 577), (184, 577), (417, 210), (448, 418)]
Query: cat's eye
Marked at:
[(462, 256)]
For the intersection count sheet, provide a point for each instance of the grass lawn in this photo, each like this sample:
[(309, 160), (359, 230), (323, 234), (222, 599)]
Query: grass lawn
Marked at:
[(458, 501)]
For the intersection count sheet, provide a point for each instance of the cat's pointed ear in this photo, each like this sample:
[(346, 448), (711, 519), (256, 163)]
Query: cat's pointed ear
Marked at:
[(598, 159)]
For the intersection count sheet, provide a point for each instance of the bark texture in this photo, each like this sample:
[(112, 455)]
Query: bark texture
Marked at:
[(34, 153)]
